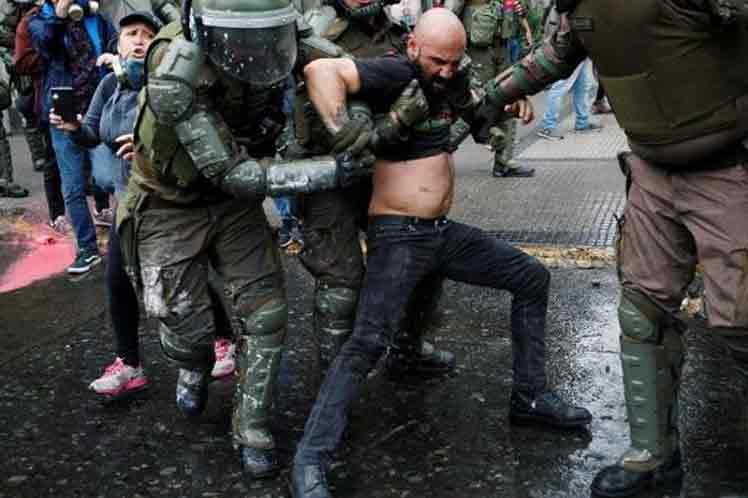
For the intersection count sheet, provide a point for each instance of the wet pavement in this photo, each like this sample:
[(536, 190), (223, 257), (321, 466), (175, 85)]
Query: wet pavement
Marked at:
[(448, 437)]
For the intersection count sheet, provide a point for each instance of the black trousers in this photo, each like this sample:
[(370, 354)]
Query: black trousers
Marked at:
[(403, 252)]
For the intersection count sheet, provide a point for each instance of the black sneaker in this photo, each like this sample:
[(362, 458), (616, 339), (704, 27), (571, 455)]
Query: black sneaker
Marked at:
[(517, 172), (615, 481), (84, 261), (548, 409)]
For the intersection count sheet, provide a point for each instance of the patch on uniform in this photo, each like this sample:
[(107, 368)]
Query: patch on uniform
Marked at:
[(579, 23)]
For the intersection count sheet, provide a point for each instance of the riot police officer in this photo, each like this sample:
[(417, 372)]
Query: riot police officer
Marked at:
[(211, 110), (681, 98)]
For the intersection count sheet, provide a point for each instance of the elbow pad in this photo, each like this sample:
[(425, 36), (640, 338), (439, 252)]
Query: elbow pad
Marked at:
[(171, 91)]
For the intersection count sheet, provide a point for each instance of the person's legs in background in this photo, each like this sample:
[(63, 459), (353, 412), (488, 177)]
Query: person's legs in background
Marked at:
[(70, 159), (7, 187), (583, 91), (289, 231), (549, 123)]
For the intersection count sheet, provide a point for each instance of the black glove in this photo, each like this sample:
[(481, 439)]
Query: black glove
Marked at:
[(459, 90), (353, 168)]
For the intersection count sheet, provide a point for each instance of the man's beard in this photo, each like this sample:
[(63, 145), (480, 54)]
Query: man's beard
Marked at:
[(434, 86)]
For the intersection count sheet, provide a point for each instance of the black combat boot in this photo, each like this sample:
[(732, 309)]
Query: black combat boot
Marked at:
[(308, 481), (546, 408), (258, 463), (615, 481), (192, 391), (425, 362)]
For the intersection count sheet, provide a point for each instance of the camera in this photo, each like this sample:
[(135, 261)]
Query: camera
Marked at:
[(79, 8)]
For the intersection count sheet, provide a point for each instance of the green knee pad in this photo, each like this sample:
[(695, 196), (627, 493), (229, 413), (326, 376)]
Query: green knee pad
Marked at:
[(185, 354), (651, 354), (335, 309)]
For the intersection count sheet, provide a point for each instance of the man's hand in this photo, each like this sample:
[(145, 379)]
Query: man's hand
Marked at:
[(411, 106), (522, 110), (56, 121), (106, 60), (61, 8), (127, 146), (352, 168), (460, 90)]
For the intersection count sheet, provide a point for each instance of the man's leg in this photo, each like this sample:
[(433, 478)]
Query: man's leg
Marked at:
[(582, 95), (549, 122), (70, 160), (656, 260), (244, 256), (37, 147), (411, 354), (475, 257), (713, 205), (332, 254), (7, 187), (395, 267)]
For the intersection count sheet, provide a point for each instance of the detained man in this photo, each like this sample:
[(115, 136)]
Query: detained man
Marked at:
[(410, 237)]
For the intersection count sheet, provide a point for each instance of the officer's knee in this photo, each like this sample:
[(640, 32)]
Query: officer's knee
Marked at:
[(640, 318), (336, 301), (186, 350), (260, 310)]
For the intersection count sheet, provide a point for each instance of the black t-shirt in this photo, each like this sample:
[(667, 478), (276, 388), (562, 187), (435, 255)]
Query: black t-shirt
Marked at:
[(383, 79)]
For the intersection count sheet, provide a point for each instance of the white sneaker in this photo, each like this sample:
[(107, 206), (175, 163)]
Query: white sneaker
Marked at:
[(225, 351), (60, 225), (119, 378)]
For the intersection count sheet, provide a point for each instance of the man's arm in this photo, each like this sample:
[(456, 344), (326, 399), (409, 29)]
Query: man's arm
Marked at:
[(329, 81), (555, 59)]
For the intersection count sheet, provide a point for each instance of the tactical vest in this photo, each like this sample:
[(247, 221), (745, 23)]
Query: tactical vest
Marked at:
[(670, 75), (250, 118)]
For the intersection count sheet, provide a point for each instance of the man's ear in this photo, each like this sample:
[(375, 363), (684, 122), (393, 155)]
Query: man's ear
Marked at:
[(412, 47)]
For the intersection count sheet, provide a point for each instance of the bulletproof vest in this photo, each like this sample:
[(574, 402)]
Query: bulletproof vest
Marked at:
[(668, 74), (251, 120)]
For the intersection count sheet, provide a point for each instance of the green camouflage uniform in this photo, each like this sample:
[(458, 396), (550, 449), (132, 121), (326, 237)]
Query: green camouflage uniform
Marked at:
[(10, 15), (488, 29)]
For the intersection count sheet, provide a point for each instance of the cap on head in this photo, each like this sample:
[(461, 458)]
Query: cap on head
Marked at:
[(141, 16)]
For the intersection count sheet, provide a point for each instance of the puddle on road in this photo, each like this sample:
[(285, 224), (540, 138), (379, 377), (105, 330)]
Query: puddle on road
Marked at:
[(39, 259)]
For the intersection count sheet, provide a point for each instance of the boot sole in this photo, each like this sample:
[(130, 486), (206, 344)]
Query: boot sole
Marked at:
[(533, 420)]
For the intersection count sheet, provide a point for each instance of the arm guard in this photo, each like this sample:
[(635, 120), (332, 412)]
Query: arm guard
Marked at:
[(216, 161), (554, 60), (170, 89), (279, 177)]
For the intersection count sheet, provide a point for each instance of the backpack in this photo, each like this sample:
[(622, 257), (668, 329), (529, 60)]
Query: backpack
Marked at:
[(484, 25), (26, 59)]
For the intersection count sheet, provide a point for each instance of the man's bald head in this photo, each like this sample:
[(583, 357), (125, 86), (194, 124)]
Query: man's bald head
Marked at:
[(437, 45), (440, 26)]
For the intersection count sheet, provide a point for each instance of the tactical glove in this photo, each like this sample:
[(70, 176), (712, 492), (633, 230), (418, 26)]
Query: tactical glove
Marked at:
[(459, 90), (411, 106), (355, 134)]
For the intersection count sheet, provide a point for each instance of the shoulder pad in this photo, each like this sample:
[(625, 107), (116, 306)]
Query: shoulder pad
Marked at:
[(313, 47), (320, 19), (171, 86)]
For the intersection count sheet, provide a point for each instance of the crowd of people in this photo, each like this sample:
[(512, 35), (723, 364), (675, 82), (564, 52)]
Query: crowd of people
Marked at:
[(348, 116)]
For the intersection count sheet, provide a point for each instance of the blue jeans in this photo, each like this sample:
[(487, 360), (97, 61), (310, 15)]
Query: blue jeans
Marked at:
[(403, 253), (579, 86), (283, 206), (514, 49), (70, 160)]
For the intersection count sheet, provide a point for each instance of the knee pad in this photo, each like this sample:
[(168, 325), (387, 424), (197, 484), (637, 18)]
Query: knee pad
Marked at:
[(264, 319), (650, 357), (335, 309), (184, 353)]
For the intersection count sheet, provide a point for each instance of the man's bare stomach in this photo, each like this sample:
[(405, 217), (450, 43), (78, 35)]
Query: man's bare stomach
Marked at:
[(419, 187)]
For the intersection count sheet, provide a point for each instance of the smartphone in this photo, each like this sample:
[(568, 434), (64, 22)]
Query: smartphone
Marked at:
[(63, 103)]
